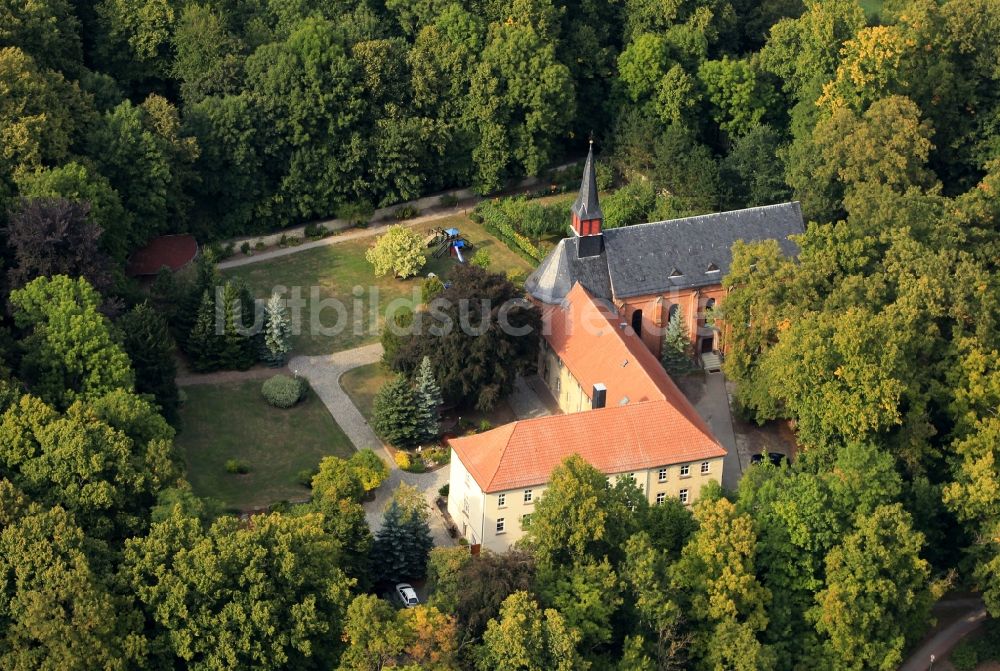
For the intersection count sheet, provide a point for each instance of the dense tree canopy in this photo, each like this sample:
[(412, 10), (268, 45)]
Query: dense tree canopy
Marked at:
[(121, 120)]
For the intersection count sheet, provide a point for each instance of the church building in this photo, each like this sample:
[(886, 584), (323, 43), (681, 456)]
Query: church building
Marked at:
[(649, 270)]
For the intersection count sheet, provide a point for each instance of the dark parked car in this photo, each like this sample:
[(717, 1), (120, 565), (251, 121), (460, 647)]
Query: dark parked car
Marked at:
[(775, 458)]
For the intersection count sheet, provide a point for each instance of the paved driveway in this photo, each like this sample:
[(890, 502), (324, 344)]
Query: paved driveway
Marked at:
[(324, 372), (710, 397)]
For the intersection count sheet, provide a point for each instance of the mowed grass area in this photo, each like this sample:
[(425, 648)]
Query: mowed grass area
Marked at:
[(233, 421), (335, 271), (362, 383)]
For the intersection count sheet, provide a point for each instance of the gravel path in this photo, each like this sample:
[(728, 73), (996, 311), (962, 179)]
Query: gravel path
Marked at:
[(946, 639), (324, 373), (349, 234)]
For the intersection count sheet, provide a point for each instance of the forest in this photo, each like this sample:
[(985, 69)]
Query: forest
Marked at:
[(121, 120)]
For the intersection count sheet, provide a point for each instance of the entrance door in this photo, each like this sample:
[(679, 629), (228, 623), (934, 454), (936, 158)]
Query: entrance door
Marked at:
[(707, 345)]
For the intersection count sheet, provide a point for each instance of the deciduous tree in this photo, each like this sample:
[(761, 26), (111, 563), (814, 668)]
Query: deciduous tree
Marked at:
[(400, 250), (69, 350), (526, 638), (268, 594), (878, 595)]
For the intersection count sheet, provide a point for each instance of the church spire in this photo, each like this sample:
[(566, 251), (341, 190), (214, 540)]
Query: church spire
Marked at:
[(587, 215)]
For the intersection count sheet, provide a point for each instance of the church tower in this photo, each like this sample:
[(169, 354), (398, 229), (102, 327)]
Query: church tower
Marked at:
[(587, 215)]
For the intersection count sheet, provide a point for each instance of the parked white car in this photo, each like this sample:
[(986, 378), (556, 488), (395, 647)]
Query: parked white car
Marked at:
[(407, 595)]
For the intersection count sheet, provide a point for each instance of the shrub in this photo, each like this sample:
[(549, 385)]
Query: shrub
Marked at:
[(443, 490), (417, 466), (305, 477), (405, 212), (282, 391), (438, 455), (369, 468), (448, 200), (259, 245), (356, 214), (485, 425), (481, 258), (403, 460), (283, 242), (245, 248), (965, 657), (431, 287), (237, 467), (315, 231)]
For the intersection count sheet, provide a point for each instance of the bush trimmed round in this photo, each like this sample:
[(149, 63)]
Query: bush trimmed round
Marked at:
[(283, 391)]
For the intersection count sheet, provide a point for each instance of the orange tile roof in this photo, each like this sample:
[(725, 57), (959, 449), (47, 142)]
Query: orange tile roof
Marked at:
[(617, 439), (586, 335)]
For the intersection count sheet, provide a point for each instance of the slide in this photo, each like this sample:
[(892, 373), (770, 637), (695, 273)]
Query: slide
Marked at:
[(458, 253)]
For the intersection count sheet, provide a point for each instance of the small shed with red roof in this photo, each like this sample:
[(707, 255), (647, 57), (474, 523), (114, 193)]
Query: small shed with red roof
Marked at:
[(168, 251)]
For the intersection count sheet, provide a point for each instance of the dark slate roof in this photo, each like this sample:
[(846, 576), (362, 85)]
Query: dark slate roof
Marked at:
[(655, 258), (587, 204), (563, 268)]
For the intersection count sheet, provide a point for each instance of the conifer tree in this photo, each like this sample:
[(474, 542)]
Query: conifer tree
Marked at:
[(238, 350), (148, 343), (396, 413), (204, 344), (676, 352), (428, 400), (276, 332), (402, 544)]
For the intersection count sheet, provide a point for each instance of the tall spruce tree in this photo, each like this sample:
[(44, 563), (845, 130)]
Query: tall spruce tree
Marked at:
[(403, 544), (396, 413), (428, 400), (148, 344), (676, 352), (276, 332), (204, 345)]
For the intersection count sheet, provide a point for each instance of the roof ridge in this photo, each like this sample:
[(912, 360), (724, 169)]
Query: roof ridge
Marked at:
[(707, 214)]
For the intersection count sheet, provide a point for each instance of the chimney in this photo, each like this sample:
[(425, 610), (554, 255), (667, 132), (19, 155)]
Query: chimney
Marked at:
[(599, 397), (587, 214)]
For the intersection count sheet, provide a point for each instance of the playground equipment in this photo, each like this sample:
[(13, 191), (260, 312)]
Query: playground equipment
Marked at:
[(449, 240)]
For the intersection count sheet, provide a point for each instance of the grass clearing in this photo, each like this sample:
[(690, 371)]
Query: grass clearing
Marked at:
[(362, 383), (233, 421), (333, 272)]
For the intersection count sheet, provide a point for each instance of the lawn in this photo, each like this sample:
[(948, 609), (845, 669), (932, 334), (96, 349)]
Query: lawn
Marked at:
[(232, 421), (362, 383), (333, 272)]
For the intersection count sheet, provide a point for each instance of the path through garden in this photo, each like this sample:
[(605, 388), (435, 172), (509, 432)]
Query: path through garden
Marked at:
[(323, 373)]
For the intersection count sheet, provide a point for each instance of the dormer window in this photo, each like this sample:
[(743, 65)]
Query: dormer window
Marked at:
[(712, 268), (676, 273)]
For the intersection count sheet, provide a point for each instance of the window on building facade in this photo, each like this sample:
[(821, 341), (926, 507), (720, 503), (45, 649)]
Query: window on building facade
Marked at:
[(684, 496), (465, 505), (685, 470), (500, 525), (501, 500), (660, 498), (662, 475), (527, 496), (705, 466)]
